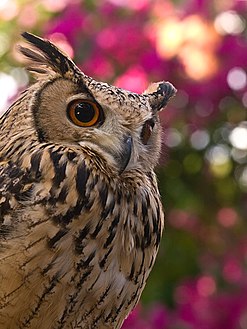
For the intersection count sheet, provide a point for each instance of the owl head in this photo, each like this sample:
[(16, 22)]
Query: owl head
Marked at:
[(72, 109)]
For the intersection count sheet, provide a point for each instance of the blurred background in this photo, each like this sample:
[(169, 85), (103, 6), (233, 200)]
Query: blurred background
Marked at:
[(199, 280)]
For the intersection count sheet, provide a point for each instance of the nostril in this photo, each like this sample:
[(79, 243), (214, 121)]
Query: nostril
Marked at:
[(147, 130)]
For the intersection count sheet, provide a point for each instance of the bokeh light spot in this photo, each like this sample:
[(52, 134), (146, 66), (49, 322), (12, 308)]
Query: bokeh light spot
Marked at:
[(192, 59), (169, 37), (8, 87), (239, 155), (134, 79), (221, 170), (222, 133), (4, 43), (242, 177), (227, 217), (8, 9), (238, 136), (237, 78), (229, 22), (219, 159), (3, 3), (61, 41), (206, 286), (173, 137), (54, 6), (179, 218), (199, 139), (232, 271), (137, 5), (218, 154), (28, 16), (20, 75), (107, 39)]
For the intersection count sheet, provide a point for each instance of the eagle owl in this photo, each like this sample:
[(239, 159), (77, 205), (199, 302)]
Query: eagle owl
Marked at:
[(80, 212)]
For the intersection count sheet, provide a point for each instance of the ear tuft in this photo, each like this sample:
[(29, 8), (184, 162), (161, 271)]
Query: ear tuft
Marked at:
[(45, 57), (159, 94)]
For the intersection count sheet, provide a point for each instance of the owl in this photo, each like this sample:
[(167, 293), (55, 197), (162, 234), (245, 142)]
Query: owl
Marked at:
[(80, 211)]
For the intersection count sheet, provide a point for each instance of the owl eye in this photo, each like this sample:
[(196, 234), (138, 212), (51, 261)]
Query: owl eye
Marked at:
[(84, 113)]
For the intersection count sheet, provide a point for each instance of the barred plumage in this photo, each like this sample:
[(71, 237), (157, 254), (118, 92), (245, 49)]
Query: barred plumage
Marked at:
[(80, 212)]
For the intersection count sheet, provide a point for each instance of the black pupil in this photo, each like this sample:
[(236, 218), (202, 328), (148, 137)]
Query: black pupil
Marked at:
[(84, 112)]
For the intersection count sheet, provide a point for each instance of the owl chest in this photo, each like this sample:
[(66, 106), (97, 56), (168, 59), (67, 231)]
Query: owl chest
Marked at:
[(93, 255), (114, 246)]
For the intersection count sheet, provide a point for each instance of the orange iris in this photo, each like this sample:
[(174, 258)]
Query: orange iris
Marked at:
[(83, 113)]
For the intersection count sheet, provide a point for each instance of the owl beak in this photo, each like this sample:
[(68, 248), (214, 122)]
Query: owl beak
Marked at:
[(125, 155), (159, 94)]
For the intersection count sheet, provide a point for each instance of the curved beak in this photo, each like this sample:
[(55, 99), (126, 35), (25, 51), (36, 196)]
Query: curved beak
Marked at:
[(125, 155)]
